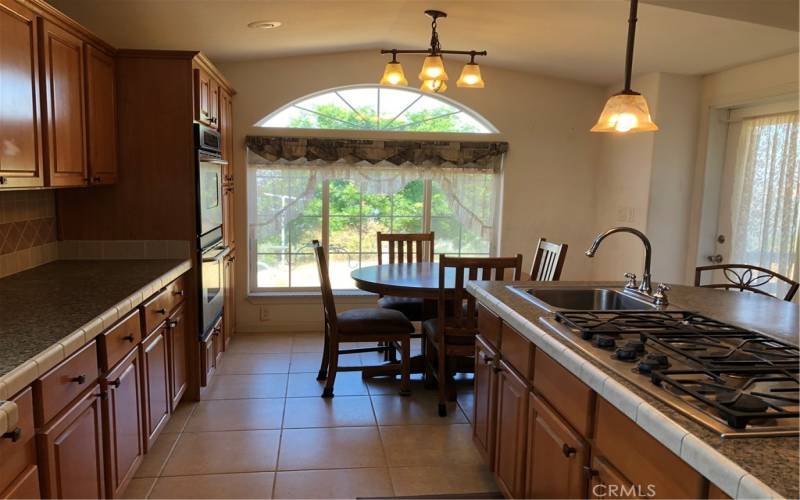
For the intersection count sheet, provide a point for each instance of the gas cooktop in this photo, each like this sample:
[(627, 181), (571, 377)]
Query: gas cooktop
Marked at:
[(738, 382)]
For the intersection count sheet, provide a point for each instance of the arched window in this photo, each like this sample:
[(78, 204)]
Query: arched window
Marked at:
[(372, 107)]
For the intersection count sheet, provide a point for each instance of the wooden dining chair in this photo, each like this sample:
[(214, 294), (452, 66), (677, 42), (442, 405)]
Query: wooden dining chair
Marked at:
[(387, 326), (404, 248), (452, 333), (744, 277), (548, 261)]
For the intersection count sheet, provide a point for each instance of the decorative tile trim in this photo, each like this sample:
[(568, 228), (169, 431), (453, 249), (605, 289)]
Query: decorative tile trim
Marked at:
[(23, 375), (123, 249), (713, 465)]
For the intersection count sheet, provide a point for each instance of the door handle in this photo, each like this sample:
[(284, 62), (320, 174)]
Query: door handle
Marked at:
[(716, 259)]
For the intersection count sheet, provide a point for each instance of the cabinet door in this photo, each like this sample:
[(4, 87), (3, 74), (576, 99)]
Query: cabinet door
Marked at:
[(176, 335), (26, 485), (512, 425), (208, 360), (226, 124), (156, 384), (556, 455), (21, 145), (608, 482), (18, 448), (122, 415), (101, 122), (202, 88), (213, 103), (64, 110), (485, 405), (71, 451)]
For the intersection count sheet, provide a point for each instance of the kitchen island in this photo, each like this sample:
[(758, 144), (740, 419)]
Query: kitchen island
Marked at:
[(751, 467)]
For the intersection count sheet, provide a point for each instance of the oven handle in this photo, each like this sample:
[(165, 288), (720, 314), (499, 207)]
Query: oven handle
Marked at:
[(209, 158)]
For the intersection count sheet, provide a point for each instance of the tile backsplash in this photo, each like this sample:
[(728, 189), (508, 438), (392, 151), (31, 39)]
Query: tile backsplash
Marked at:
[(27, 230)]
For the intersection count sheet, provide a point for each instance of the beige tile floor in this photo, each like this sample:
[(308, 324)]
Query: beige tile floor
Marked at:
[(262, 431)]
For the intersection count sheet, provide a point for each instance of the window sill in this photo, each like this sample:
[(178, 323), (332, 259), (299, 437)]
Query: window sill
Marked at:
[(307, 296)]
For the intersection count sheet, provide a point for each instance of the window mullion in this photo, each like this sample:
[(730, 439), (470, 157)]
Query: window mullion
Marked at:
[(326, 185), (427, 201)]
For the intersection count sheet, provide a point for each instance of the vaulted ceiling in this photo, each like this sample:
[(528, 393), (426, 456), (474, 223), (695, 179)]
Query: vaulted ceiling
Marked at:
[(577, 39)]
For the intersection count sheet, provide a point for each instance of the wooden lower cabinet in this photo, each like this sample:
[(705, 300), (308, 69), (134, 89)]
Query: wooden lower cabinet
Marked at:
[(71, 451), (122, 418), (176, 342), (485, 396), (208, 360), (512, 425), (18, 451), (155, 383), (25, 486), (556, 455), (608, 482)]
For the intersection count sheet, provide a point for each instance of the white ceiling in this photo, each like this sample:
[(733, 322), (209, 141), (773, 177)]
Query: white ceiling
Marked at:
[(577, 39)]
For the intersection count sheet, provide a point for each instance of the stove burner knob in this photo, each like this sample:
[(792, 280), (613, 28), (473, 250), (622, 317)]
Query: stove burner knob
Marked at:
[(636, 345), (653, 361), (605, 341), (626, 353)]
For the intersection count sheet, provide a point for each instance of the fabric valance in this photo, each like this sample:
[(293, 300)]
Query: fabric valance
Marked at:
[(460, 154)]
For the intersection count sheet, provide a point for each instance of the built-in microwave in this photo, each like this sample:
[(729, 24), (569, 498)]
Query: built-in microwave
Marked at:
[(209, 185)]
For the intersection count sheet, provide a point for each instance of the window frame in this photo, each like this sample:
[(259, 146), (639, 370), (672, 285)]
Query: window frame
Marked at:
[(490, 128), (255, 290)]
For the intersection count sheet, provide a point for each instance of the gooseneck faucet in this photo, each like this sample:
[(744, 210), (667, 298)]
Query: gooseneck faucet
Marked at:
[(645, 286)]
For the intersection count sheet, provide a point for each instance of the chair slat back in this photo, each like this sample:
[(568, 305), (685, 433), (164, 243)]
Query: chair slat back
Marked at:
[(744, 277), (453, 318), (548, 261), (406, 248), (328, 304)]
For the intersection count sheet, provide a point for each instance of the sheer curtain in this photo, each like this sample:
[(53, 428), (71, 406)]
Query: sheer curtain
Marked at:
[(766, 197)]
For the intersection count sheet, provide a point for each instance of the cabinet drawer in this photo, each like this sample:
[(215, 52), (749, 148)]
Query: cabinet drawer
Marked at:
[(155, 311), (517, 351), (20, 454), (570, 397), (64, 383), (26, 485), (489, 326), (176, 293), (119, 340), (641, 459)]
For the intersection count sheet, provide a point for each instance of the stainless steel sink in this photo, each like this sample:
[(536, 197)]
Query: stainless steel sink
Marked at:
[(583, 299)]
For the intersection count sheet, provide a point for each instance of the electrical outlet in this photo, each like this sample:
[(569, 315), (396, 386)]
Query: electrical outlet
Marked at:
[(263, 313)]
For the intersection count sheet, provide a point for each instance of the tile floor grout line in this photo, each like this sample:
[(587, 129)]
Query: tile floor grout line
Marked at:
[(383, 447), (278, 453)]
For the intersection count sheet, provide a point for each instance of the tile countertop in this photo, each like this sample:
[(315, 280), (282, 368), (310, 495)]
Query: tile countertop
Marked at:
[(742, 468), (51, 311)]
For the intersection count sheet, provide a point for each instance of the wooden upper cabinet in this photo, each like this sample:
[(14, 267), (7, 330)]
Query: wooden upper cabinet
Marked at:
[(101, 116), (206, 98), (63, 58), (557, 455), (226, 124), (512, 425), (20, 128)]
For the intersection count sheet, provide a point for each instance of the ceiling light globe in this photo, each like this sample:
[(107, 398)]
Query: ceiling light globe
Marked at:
[(393, 75), (433, 69), (625, 113), (470, 77)]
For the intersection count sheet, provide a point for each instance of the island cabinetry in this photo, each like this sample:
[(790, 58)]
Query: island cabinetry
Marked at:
[(19, 475), (557, 455), (651, 468), (572, 400), (608, 482), (122, 419), (71, 450), (21, 158), (512, 428), (483, 417)]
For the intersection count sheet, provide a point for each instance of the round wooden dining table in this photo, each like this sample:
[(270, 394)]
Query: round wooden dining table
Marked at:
[(418, 279)]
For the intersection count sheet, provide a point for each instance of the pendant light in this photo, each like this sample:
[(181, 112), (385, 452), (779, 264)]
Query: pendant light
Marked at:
[(393, 74), (433, 74), (627, 111)]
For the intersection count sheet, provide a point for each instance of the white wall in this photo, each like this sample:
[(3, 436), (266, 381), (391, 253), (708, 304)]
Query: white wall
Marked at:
[(645, 182), (549, 171)]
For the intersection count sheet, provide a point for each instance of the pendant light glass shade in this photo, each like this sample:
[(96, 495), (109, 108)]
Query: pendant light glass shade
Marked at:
[(435, 86), (433, 69), (625, 113), (393, 75), (470, 77)]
